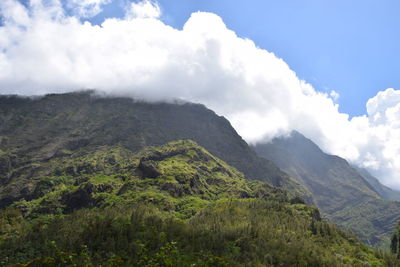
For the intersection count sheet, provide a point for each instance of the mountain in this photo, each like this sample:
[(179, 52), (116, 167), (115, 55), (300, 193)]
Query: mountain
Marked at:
[(94, 181), (384, 191), (170, 205), (343, 195), (35, 130)]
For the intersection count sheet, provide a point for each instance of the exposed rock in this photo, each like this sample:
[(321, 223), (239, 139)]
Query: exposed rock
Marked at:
[(42, 187), (81, 198), (244, 194), (195, 182), (316, 215), (158, 156), (86, 168), (297, 200), (70, 170), (111, 160), (205, 169), (104, 188), (173, 189), (148, 169)]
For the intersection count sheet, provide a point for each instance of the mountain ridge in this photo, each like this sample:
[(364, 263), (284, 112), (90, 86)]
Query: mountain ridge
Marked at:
[(343, 195), (385, 192), (34, 130)]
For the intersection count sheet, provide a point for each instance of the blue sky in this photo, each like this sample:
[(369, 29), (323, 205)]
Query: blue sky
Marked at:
[(351, 47)]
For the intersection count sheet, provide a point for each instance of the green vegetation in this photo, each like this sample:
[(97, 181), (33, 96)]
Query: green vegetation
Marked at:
[(174, 205), (81, 186), (169, 176), (36, 131), (341, 193), (395, 242), (247, 232), (383, 191)]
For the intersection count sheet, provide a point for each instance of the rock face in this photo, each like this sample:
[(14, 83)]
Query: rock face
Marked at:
[(338, 189), (55, 126), (148, 169), (81, 198), (78, 199)]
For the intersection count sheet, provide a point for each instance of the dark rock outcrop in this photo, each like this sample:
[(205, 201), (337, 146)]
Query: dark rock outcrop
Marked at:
[(81, 198), (148, 169)]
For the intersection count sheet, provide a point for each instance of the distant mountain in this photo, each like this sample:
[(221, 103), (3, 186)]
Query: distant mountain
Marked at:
[(35, 130), (384, 191), (340, 191)]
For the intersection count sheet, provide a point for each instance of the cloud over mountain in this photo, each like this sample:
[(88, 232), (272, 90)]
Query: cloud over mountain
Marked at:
[(43, 50)]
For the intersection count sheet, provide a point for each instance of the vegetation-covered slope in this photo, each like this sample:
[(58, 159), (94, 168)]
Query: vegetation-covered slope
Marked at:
[(112, 175), (174, 205), (341, 193), (383, 191), (395, 241), (35, 131)]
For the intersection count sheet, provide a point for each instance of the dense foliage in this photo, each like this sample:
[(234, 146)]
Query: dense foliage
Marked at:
[(232, 232), (174, 205), (395, 242)]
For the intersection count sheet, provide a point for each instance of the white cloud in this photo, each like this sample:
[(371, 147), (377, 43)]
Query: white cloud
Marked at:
[(144, 9), (380, 150), (43, 50), (334, 95), (14, 12), (87, 8)]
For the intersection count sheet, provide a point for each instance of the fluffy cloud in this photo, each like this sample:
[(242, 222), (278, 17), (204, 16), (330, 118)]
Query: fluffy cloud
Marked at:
[(144, 9), (380, 148), (87, 8), (44, 50)]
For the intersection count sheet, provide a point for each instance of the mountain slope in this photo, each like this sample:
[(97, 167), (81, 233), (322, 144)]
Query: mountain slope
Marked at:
[(173, 205), (33, 131), (342, 194), (384, 191), (170, 175)]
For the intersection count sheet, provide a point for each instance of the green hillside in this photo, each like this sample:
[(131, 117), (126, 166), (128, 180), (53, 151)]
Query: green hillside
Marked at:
[(36, 130), (172, 205), (339, 190)]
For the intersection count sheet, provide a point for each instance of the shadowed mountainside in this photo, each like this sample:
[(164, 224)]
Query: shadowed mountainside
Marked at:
[(339, 190), (384, 191)]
